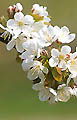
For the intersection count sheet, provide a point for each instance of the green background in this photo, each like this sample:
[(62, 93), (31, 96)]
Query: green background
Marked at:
[(17, 99)]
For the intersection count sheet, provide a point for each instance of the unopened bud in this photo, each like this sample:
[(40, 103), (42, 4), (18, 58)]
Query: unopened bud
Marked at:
[(11, 11), (44, 52), (18, 7)]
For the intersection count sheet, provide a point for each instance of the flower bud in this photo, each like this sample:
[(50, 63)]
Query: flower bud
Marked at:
[(43, 52), (18, 7), (11, 11)]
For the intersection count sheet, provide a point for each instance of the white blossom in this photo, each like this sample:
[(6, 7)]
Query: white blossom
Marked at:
[(59, 58), (64, 93), (40, 10), (44, 93), (37, 70), (63, 35), (33, 29), (17, 42), (46, 35), (32, 49), (72, 64), (40, 49), (20, 22)]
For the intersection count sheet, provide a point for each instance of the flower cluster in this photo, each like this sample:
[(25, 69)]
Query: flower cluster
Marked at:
[(49, 63)]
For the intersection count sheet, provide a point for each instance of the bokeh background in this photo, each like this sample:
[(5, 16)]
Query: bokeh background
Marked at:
[(17, 99)]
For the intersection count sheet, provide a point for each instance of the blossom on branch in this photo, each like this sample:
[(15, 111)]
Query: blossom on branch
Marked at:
[(49, 63)]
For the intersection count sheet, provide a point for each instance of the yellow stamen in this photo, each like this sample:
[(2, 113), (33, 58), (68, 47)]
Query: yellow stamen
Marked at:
[(73, 63), (61, 57), (20, 23)]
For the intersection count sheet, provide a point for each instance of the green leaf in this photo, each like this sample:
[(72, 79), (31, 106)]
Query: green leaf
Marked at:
[(57, 74)]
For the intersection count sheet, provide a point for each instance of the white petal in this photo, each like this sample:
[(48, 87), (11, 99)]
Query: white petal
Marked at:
[(37, 86), (61, 86), (56, 30), (68, 39), (53, 91), (31, 45), (65, 29), (65, 49), (28, 45), (28, 19), (19, 46), (41, 75), (74, 91), (62, 65), (53, 62), (32, 74), (63, 95), (72, 66), (43, 95), (51, 30), (74, 55), (24, 55), (17, 31), (52, 99), (74, 74), (63, 39), (37, 63), (71, 37), (37, 26), (27, 64), (35, 6), (46, 19), (18, 16), (11, 24), (27, 55), (38, 55), (10, 45), (54, 52), (45, 70)]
